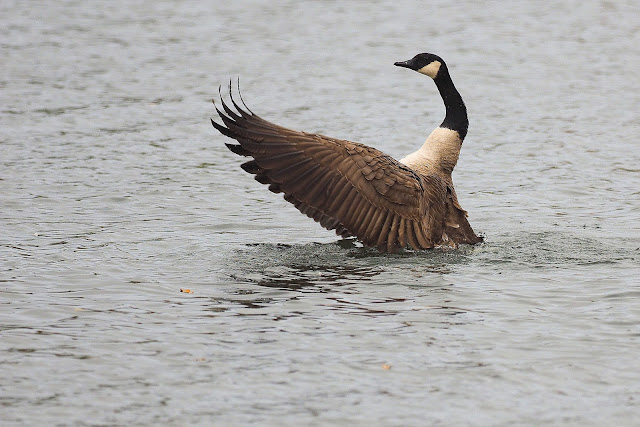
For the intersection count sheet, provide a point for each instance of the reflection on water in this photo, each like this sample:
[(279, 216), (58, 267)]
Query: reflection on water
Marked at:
[(299, 266), (333, 275)]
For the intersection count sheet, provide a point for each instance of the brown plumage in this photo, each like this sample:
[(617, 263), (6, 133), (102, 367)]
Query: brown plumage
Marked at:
[(349, 187)]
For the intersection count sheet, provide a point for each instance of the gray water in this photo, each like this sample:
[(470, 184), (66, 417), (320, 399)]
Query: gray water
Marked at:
[(115, 193)]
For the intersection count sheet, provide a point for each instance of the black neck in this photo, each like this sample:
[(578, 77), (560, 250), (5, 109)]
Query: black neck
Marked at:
[(456, 117)]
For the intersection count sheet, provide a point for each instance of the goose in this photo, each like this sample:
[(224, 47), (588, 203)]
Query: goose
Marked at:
[(357, 190)]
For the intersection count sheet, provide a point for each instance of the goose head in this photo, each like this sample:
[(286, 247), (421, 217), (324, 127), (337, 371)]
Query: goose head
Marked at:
[(424, 63)]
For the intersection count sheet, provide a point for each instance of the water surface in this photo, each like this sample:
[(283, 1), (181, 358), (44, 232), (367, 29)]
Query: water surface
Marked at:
[(115, 193)]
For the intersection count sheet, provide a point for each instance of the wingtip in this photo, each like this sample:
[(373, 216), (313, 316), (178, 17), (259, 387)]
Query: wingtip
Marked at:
[(239, 109), (238, 149), (220, 113), (242, 100), (244, 112), (232, 114), (223, 130)]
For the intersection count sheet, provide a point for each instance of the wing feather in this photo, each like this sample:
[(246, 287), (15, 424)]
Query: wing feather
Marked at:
[(345, 186), (382, 237), (393, 234), (411, 236), (420, 238), (373, 232), (402, 237)]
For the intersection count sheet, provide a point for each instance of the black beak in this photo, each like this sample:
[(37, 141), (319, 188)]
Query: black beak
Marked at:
[(404, 64)]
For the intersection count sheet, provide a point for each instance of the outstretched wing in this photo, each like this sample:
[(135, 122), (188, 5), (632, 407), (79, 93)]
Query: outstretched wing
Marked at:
[(345, 186)]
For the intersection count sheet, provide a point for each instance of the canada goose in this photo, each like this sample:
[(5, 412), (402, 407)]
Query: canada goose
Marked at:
[(357, 190)]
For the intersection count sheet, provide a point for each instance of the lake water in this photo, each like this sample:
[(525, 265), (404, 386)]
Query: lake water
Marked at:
[(115, 193)]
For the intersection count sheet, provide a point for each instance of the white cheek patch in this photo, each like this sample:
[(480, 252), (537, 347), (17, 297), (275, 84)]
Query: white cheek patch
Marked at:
[(431, 69)]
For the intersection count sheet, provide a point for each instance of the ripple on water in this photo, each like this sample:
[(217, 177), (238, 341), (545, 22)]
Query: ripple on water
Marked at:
[(115, 193)]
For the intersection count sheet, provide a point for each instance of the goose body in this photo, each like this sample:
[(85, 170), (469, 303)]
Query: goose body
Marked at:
[(355, 189)]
